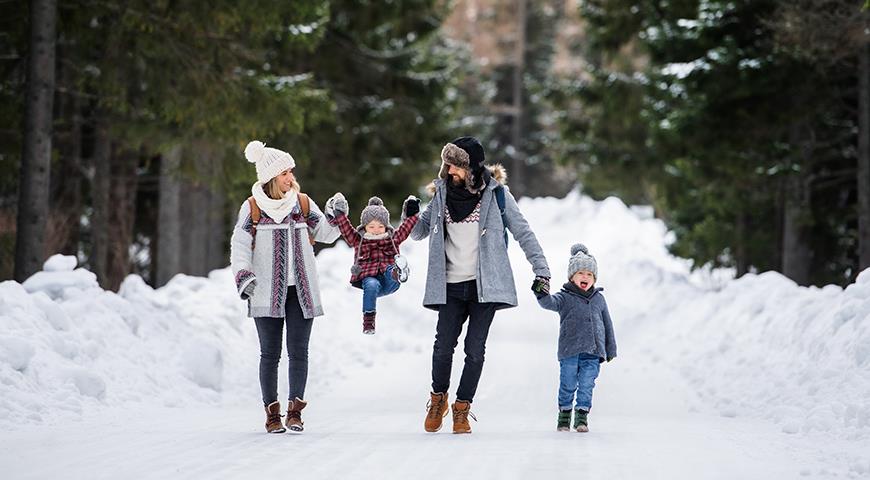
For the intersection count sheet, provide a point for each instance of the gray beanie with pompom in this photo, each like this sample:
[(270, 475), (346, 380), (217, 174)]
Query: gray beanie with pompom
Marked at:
[(581, 260), (375, 211)]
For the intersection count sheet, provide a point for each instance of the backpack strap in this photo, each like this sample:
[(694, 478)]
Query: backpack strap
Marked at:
[(499, 199), (255, 216), (255, 219), (305, 205)]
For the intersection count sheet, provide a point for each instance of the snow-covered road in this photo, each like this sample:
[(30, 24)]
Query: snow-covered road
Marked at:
[(370, 426), (748, 379)]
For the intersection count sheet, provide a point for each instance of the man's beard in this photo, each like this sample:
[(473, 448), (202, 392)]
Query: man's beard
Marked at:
[(456, 181)]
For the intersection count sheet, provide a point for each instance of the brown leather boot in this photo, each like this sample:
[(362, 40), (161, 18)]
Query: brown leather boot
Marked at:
[(294, 415), (369, 323), (437, 411), (273, 418), (461, 411)]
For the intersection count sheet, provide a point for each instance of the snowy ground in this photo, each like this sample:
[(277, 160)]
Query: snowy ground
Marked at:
[(716, 378)]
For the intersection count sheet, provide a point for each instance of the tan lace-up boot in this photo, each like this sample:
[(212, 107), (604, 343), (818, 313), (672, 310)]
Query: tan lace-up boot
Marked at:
[(437, 410), (461, 411)]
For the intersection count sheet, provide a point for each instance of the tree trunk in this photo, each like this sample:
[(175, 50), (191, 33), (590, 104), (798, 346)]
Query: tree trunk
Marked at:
[(33, 208), (122, 216), (100, 198), (197, 202), (217, 237), (741, 256), (168, 259), (517, 173), (65, 228), (796, 253), (864, 158)]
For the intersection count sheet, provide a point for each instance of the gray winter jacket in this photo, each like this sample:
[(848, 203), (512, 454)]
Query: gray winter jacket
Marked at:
[(495, 279), (584, 323)]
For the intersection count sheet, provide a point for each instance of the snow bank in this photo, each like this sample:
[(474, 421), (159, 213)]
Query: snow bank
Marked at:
[(67, 345), (764, 346), (758, 347)]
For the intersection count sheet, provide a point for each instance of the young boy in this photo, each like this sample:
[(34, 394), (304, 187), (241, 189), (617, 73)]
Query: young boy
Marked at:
[(585, 337), (375, 245)]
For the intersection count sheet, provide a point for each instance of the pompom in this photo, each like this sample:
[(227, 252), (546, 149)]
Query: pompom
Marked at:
[(375, 201), (254, 151), (579, 247)]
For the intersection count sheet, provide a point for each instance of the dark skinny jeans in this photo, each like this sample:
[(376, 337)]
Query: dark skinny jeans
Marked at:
[(461, 304), (269, 330)]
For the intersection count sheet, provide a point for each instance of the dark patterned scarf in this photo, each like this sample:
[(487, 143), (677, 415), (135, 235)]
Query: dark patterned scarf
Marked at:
[(460, 202)]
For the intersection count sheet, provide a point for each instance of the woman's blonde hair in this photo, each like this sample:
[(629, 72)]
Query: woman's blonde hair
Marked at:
[(274, 192)]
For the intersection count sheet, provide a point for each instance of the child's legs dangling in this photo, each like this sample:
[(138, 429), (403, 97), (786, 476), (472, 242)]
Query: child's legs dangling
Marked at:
[(388, 283), (567, 382), (371, 291), (587, 372)]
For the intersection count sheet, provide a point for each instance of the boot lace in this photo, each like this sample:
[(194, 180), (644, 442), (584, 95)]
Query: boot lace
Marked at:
[(434, 410), (467, 413)]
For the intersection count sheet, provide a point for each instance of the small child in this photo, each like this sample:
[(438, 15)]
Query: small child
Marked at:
[(375, 245), (585, 337)]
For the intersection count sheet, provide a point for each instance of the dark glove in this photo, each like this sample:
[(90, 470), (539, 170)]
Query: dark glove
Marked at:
[(609, 359), (541, 286), (411, 206)]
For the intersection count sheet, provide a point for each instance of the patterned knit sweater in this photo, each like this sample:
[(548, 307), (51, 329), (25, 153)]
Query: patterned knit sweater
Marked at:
[(461, 245), (268, 259)]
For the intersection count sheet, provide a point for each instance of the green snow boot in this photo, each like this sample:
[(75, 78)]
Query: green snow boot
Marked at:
[(563, 424), (581, 423)]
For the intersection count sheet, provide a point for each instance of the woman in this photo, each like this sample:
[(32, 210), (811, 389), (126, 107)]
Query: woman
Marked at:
[(272, 260)]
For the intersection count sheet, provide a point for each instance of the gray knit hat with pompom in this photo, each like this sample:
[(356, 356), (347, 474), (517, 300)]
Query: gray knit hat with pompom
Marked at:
[(581, 260), (375, 211)]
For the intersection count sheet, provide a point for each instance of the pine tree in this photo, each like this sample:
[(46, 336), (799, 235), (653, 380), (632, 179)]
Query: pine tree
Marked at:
[(387, 72), (737, 143)]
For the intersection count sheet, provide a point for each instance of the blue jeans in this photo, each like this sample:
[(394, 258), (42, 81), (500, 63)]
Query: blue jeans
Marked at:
[(378, 286), (577, 374)]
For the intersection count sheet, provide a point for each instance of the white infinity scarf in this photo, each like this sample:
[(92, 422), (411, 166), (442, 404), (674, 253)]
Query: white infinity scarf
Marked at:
[(276, 209)]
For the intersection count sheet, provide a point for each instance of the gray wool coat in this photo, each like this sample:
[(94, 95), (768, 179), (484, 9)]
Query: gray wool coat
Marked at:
[(584, 323), (495, 279)]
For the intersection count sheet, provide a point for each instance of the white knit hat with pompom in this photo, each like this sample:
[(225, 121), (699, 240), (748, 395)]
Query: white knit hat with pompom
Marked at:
[(270, 162), (581, 260)]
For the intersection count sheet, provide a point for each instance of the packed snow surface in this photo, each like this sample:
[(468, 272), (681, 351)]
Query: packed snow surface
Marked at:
[(716, 378)]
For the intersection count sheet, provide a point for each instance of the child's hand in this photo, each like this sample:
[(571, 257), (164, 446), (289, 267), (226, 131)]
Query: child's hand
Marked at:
[(541, 286), (336, 206), (410, 207)]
